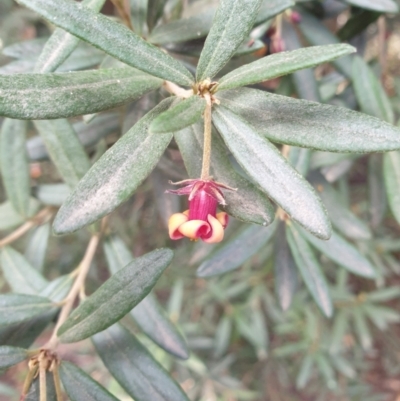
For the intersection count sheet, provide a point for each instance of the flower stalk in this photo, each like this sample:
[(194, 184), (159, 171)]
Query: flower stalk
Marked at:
[(205, 169)]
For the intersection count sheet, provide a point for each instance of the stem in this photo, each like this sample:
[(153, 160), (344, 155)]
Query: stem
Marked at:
[(382, 46), (42, 379), (177, 90), (57, 382), (205, 168)]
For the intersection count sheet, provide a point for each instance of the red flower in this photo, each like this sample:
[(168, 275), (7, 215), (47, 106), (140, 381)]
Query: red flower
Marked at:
[(201, 220)]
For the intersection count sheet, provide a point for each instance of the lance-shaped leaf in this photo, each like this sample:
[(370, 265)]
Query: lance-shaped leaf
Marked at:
[(116, 297), (248, 203), (9, 218), (148, 314), (65, 150), (20, 275), (80, 386), (376, 190), (312, 125), (14, 164), (184, 114), (231, 26), (112, 37), (141, 376), (284, 63), (343, 253), (235, 252), (115, 176), (362, 330), (309, 270), (139, 15), (265, 165), (34, 393), (57, 95), (61, 44), (17, 308), (391, 169), (385, 6), (10, 356), (36, 248), (305, 371), (155, 11), (285, 269), (270, 8)]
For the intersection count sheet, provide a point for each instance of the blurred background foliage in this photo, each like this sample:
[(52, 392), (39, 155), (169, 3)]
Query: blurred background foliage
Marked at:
[(253, 330)]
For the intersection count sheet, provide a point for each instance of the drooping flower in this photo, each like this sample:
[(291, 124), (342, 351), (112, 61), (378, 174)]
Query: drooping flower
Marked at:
[(201, 220)]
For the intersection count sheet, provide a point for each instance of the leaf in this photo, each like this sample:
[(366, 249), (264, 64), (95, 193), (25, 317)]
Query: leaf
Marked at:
[(343, 253), (61, 44), (10, 356), (134, 368), (64, 148), (370, 94), (384, 295), (35, 251), (20, 275), (25, 48), (148, 314), (391, 174), (9, 218), (81, 387), (222, 336), (248, 203), (305, 371), (155, 11), (377, 198), (115, 176), (265, 165), (385, 6), (285, 269), (34, 390), (381, 316), (339, 331), (278, 64), (58, 289), (231, 26), (235, 252), (57, 95), (14, 164), (308, 124), (184, 114), (116, 297), (270, 8), (362, 330), (52, 194), (310, 270), (356, 24), (111, 37), (139, 15), (17, 308), (326, 370)]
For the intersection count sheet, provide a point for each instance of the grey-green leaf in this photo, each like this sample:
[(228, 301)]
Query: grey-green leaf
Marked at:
[(384, 6), (265, 165), (17, 308), (112, 37), (36, 248), (57, 95), (270, 8), (14, 164), (80, 386), (10, 356), (310, 270), (231, 26), (116, 297), (134, 368), (284, 63), (115, 176), (20, 275), (391, 171), (235, 252), (65, 150), (309, 124), (248, 203), (9, 218), (184, 114)]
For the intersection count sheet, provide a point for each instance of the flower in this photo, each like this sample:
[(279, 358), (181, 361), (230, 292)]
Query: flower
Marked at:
[(201, 220)]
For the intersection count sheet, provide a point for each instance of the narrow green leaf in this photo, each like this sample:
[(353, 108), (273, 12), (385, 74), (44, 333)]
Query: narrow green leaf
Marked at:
[(376, 190), (14, 164), (52, 194), (326, 370), (270, 8), (139, 15), (284, 63), (134, 368), (381, 316), (222, 336), (34, 393), (10, 356), (235, 252), (343, 253), (385, 6), (25, 49), (231, 26), (339, 331), (116, 297), (312, 125), (384, 295), (343, 366), (148, 314), (57, 95), (61, 44), (300, 159), (35, 251), (265, 165), (20, 275), (310, 270), (115, 176), (9, 218), (362, 329), (17, 308), (356, 24), (112, 37), (248, 203), (65, 150), (59, 288), (80, 386), (184, 114), (391, 173), (155, 10), (370, 94), (305, 371), (285, 269)]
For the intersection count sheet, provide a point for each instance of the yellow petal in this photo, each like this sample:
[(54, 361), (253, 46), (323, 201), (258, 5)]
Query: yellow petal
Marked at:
[(194, 228), (217, 231), (174, 222), (223, 218)]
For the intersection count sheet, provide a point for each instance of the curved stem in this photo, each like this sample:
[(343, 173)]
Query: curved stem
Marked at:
[(177, 90), (205, 168)]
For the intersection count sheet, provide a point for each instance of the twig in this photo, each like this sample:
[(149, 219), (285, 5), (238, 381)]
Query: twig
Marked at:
[(382, 46), (177, 90)]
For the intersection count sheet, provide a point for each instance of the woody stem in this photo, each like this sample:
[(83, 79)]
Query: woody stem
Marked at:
[(205, 169)]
